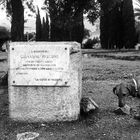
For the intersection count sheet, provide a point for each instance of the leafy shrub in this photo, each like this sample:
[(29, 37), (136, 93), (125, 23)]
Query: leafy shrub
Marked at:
[(90, 43)]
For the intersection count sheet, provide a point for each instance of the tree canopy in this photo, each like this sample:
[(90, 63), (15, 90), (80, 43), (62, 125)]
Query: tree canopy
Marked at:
[(67, 18)]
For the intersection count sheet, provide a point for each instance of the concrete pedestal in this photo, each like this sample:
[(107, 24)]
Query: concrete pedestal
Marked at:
[(44, 103)]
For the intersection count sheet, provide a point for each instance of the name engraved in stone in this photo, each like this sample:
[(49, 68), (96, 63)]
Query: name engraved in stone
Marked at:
[(39, 65)]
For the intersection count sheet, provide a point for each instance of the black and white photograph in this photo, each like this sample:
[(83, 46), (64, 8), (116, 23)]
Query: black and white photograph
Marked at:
[(69, 69)]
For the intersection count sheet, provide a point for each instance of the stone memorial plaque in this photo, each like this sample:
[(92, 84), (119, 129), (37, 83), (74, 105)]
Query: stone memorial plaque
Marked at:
[(44, 81), (39, 64)]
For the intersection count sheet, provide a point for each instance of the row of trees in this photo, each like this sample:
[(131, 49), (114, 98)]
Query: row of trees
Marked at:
[(66, 19), (42, 28), (117, 24)]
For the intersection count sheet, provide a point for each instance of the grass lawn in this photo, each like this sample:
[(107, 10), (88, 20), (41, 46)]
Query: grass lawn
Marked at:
[(100, 75)]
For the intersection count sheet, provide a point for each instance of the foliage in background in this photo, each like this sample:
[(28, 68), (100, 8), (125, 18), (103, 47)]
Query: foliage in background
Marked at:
[(42, 27), (66, 18), (86, 33), (38, 26), (17, 23), (89, 44), (92, 10), (137, 9), (137, 19), (129, 38), (45, 29), (15, 10), (117, 25)]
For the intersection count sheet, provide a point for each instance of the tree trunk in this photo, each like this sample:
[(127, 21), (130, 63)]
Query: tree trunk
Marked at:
[(53, 13), (78, 28), (128, 24), (17, 27), (38, 27)]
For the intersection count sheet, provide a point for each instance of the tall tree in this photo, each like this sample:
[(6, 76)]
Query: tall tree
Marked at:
[(47, 28), (38, 26), (106, 24), (53, 15), (43, 30), (67, 18), (104, 17), (15, 10), (128, 24), (17, 26), (78, 28), (117, 24), (137, 18)]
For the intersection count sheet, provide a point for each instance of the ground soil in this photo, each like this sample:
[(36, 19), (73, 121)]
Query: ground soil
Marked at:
[(100, 75)]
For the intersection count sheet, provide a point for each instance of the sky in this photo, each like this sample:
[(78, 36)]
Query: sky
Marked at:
[(3, 19), (30, 25)]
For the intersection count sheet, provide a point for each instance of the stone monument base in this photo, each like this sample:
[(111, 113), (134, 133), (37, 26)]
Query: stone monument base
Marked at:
[(45, 103)]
